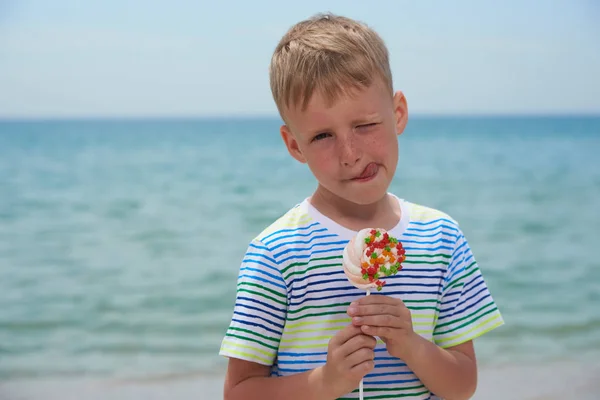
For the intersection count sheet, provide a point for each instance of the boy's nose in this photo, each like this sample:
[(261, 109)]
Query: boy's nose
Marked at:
[(349, 152)]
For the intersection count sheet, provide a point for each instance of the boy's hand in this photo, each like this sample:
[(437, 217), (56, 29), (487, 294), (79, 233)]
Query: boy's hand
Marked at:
[(388, 318), (350, 357)]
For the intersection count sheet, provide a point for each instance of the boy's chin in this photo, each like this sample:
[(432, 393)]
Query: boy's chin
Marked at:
[(364, 198)]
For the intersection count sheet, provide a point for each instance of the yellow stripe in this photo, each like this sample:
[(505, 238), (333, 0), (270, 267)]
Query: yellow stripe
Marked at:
[(333, 321), (306, 339), (476, 327), (248, 355), (334, 328), (315, 346), (244, 346), (423, 315), (422, 323)]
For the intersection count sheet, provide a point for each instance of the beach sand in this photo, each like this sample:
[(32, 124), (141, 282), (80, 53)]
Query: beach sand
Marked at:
[(530, 382)]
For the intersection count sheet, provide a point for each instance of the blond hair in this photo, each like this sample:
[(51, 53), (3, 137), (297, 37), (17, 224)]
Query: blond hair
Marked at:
[(329, 54)]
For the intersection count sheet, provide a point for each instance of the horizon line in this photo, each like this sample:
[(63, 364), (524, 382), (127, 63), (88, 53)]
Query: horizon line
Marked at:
[(140, 117)]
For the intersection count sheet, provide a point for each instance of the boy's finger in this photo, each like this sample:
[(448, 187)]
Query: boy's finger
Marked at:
[(379, 299), (345, 334), (376, 309)]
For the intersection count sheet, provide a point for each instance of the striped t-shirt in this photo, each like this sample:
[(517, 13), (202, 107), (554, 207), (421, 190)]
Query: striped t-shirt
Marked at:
[(292, 295)]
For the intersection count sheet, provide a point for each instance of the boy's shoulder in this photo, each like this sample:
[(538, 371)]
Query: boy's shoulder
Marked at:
[(425, 215), (296, 218)]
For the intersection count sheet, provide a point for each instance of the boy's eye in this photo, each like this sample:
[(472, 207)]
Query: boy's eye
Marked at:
[(367, 126), (321, 136)]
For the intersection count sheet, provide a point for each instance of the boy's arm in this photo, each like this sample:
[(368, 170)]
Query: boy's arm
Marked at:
[(349, 358), (248, 380), (449, 373)]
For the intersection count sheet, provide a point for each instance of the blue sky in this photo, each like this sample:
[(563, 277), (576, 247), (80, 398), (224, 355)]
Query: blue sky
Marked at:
[(124, 58)]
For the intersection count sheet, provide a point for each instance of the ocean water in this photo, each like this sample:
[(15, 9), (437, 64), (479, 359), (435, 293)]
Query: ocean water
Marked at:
[(120, 240)]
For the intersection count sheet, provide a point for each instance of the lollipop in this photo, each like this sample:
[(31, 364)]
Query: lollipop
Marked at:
[(371, 255)]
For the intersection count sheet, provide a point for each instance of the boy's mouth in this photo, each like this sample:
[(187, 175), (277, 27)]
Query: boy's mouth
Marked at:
[(368, 173)]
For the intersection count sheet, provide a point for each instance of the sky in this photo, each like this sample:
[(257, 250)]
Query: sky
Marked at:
[(130, 58)]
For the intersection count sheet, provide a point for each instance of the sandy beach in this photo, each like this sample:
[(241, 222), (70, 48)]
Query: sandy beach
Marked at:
[(530, 382)]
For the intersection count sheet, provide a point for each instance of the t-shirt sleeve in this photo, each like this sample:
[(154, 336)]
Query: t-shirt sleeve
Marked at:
[(467, 309), (260, 309)]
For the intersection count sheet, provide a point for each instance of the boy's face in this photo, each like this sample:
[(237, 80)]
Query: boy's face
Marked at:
[(351, 147)]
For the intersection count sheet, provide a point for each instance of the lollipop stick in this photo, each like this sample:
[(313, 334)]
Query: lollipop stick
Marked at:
[(360, 386)]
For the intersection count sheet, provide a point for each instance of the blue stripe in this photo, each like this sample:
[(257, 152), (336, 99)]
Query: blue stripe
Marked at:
[(394, 365), (302, 228), (262, 303), (301, 361), (259, 317), (345, 280), (447, 295), (296, 242), (389, 374), (352, 287), (321, 353), (295, 235), (428, 249), (258, 278), (311, 247), (252, 261), (441, 226), (433, 222), (456, 311), (468, 299), (432, 235), (295, 370), (393, 382), (437, 293), (278, 333), (290, 354), (312, 253), (426, 242), (260, 255), (238, 305), (277, 277), (258, 247)]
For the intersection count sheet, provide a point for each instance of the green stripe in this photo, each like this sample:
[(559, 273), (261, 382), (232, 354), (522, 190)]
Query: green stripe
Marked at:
[(308, 262), (312, 260), (366, 390), (427, 255), (303, 271), (426, 262), (247, 355), (460, 278), (347, 304), (264, 288), (233, 328), (283, 303), (468, 335), (466, 317), (391, 396), (422, 301), (322, 306), (314, 315), (251, 340)]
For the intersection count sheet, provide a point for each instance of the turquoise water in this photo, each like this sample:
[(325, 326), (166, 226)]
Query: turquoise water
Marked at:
[(109, 263)]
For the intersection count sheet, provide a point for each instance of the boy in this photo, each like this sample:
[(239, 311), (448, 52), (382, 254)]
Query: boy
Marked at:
[(299, 329)]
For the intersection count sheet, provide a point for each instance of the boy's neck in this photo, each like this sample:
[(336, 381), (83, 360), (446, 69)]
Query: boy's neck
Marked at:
[(385, 213)]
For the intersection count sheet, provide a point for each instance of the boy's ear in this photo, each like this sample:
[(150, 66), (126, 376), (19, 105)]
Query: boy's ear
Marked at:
[(291, 143), (400, 112)]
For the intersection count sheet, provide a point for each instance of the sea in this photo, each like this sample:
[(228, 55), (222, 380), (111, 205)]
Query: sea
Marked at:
[(121, 239)]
